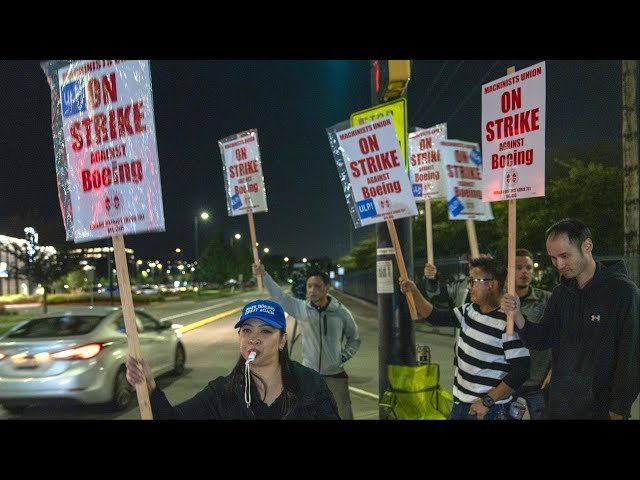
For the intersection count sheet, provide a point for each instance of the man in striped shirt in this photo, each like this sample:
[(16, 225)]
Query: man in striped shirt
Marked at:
[(490, 365)]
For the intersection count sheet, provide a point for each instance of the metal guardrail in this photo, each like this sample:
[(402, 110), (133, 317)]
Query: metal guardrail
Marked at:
[(362, 284)]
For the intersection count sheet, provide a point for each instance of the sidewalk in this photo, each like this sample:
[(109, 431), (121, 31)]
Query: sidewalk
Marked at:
[(21, 306)]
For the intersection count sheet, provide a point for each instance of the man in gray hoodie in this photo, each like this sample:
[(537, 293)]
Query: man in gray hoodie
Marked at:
[(329, 333)]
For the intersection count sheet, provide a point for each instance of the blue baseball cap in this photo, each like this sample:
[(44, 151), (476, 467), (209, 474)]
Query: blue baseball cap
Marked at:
[(268, 311)]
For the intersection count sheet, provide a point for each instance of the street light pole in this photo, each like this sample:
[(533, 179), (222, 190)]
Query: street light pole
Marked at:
[(237, 236), (195, 227), (90, 272), (195, 273), (204, 216)]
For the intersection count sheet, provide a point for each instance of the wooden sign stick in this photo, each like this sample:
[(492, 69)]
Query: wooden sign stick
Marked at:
[(130, 320), (427, 222), (254, 248), (511, 260), (473, 240), (401, 266), (511, 249)]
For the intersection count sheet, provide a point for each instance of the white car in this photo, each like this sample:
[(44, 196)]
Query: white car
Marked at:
[(80, 356)]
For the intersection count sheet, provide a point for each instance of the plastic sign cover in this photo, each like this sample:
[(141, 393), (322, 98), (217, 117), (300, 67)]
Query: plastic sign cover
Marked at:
[(462, 163), (242, 169), (104, 141), (371, 168), (513, 135), (425, 165)]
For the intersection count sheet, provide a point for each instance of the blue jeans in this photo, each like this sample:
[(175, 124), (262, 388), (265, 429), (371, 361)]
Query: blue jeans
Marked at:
[(460, 411), (536, 402)]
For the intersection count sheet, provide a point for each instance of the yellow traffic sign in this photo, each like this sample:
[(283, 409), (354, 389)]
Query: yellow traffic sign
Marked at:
[(398, 109)]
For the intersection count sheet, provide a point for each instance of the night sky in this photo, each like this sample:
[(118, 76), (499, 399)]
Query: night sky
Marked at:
[(291, 103)]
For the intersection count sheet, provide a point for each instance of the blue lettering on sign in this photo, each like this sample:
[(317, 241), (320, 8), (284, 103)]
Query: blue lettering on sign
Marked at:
[(417, 190), (475, 156), (73, 98), (235, 201), (455, 206), (366, 208)]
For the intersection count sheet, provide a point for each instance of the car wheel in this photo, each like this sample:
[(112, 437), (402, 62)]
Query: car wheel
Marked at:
[(123, 392), (180, 360)]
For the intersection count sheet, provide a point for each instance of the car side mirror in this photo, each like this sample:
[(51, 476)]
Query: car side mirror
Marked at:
[(165, 324)]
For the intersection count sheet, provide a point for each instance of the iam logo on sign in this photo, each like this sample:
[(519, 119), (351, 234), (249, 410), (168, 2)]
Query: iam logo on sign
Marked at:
[(512, 176), (73, 98)]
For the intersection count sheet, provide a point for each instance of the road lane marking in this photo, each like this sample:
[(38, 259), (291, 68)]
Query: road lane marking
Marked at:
[(191, 312), (200, 323), (364, 392)]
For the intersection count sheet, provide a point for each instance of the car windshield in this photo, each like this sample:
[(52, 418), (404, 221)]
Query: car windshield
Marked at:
[(61, 326)]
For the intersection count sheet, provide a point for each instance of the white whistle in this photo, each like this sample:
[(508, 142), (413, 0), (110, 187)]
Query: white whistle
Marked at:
[(251, 357)]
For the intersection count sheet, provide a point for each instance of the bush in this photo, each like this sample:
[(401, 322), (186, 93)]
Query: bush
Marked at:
[(15, 299)]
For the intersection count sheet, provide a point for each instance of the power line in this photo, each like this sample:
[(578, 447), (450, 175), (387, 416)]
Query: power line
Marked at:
[(466, 99), (446, 84), (426, 95)]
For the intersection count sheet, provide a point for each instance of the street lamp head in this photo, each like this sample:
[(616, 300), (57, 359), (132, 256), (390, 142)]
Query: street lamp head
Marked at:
[(237, 236), (204, 215)]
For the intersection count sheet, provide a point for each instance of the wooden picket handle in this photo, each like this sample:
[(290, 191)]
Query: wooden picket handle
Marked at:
[(413, 313), (511, 249), (511, 261), (128, 312), (254, 247), (473, 239), (427, 222)]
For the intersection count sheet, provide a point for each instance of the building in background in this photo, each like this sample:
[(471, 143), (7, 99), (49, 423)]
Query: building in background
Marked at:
[(11, 281)]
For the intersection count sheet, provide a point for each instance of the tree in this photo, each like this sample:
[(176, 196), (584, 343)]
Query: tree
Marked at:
[(77, 279), (243, 259), (220, 261), (363, 256), (42, 267), (592, 193)]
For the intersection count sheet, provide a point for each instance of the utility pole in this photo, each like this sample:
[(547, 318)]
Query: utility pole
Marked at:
[(630, 164), (396, 337)]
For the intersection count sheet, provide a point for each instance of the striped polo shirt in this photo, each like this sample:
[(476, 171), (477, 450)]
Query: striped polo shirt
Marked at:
[(486, 354)]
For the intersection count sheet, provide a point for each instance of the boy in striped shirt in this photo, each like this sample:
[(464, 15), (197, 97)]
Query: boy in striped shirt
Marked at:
[(490, 365)]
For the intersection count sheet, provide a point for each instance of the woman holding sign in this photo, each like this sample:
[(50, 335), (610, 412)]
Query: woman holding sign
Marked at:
[(265, 383)]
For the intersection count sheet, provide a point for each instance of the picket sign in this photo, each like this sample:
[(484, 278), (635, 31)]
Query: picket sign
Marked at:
[(108, 183), (244, 181)]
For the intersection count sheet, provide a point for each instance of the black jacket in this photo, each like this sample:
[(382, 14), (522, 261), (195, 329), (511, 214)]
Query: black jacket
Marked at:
[(594, 338), (314, 400)]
